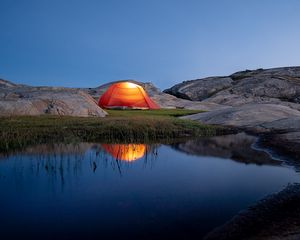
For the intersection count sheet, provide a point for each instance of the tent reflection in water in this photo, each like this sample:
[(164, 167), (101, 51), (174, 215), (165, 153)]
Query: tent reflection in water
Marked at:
[(125, 152), (126, 95)]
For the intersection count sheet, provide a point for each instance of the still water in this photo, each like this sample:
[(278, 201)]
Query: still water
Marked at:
[(134, 191)]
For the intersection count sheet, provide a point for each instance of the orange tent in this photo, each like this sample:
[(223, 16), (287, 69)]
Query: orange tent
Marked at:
[(128, 95), (125, 152)]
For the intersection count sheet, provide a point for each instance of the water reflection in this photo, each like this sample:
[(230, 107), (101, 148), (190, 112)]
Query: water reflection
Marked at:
[(125, 152), (237, 147), (119, 156), (60, 159), (88, 190), (57, 160)]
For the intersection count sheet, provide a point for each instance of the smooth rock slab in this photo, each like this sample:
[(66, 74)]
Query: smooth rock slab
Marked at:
[(248, 115), (290, 124)]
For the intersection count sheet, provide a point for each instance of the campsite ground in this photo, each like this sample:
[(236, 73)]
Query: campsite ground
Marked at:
[(120, 125)]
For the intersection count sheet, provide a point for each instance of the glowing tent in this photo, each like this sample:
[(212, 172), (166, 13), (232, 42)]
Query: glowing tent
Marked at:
[(126, 95), (125, 152)]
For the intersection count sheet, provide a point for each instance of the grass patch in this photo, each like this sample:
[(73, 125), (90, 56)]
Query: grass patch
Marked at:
[(158, 112), (119, 126)]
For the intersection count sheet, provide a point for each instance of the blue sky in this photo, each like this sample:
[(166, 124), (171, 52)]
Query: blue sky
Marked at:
[(87, 43)]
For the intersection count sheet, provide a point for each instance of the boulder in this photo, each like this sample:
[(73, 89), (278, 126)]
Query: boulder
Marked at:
[(26, 100), (260, 86), (200, 89), (291, 73), (268, 87)]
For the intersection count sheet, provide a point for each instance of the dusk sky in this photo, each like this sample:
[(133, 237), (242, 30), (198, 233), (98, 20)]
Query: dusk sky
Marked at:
[(87, 43)]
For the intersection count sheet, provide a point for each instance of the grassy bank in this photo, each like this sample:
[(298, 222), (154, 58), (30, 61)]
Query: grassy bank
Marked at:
[(119, 126)]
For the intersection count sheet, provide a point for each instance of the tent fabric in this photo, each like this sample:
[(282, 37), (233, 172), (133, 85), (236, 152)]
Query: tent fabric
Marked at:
[(125, 152), (126, 94)]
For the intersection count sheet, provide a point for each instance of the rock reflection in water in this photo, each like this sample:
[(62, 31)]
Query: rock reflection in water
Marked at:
[(236, 147)]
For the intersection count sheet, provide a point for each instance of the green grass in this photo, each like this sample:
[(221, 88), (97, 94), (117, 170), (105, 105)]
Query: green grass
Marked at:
[(119, 126), (158, 112)]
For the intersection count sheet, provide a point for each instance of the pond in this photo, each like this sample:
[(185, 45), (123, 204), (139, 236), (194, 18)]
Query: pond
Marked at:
[(134, 191)]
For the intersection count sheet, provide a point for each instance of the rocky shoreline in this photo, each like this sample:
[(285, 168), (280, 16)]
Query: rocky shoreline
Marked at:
[(274, 217), (264, 103)]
